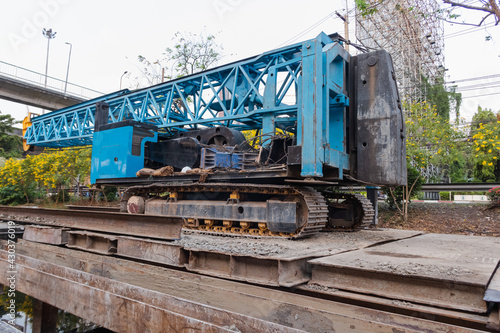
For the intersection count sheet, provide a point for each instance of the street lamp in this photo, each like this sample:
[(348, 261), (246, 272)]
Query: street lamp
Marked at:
[(67, 71), (121, 77), (49, 34)]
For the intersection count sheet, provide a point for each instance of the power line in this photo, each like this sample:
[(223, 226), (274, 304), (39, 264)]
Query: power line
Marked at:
[(289, 41), (476, 88), (468, 31), (497, 93), (475, 78), (480, 85)]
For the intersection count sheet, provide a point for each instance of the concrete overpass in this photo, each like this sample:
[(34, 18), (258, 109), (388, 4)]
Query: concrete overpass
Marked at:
[(27, 87)]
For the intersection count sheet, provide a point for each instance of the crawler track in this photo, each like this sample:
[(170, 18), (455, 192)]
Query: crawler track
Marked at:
[(312, 208), (362, 210)]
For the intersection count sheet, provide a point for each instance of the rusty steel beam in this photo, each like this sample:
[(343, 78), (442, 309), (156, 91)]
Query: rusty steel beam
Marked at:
[(115, 312), (214, 301), (123, 307), (119, 223), (93, 242), (150, 250), (47, 235), (442, 293), (94, 208), (266, 271), (452, 317)]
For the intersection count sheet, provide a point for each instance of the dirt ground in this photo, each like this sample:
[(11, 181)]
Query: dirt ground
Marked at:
[(445, 218)]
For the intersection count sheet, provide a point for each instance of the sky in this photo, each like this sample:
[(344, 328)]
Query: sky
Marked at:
[(107, 37)]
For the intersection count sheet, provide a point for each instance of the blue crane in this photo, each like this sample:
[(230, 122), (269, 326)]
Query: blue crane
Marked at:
[(341, 116)]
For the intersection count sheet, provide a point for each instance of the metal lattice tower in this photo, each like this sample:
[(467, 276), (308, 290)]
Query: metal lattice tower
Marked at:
[(412, 33)]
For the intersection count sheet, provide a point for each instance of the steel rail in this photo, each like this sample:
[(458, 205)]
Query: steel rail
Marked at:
[(437, 187), (459, 186), (159, 227)]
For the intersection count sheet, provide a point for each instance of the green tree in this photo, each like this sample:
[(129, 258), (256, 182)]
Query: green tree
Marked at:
[(190, 54), (443, 99), (438, 96), (431, 140), (10, 145), (24, 303), (482, 116)]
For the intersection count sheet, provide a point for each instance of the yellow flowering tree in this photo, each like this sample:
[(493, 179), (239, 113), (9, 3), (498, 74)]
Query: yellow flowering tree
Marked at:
[(20, 179), (16, 182), (486, 150)]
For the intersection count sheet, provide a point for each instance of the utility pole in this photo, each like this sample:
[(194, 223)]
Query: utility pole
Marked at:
[(345, 18)]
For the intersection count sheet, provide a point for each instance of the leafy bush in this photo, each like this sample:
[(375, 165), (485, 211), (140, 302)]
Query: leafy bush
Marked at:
[(17, 195), (444, 196), (62, 196), (470, 193), (494, 195), (110, 192), (414, 179)]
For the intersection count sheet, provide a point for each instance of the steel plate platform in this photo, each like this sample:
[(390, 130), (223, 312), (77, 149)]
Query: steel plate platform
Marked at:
[(448, 271), (129, 296), (274, 261)]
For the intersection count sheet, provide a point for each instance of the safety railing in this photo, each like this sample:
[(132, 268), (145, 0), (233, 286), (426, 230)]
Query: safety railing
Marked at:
[(38, 79)]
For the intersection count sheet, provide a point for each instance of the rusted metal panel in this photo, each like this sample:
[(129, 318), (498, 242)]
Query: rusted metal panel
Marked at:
[(93, 242), (379, 143), (153, 251), (120, 223), (450, 271), (135, 297), (420, 290), (44, 234)]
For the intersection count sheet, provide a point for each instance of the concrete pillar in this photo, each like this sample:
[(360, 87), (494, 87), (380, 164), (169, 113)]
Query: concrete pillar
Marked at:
[(372, 195), (44, 317)]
